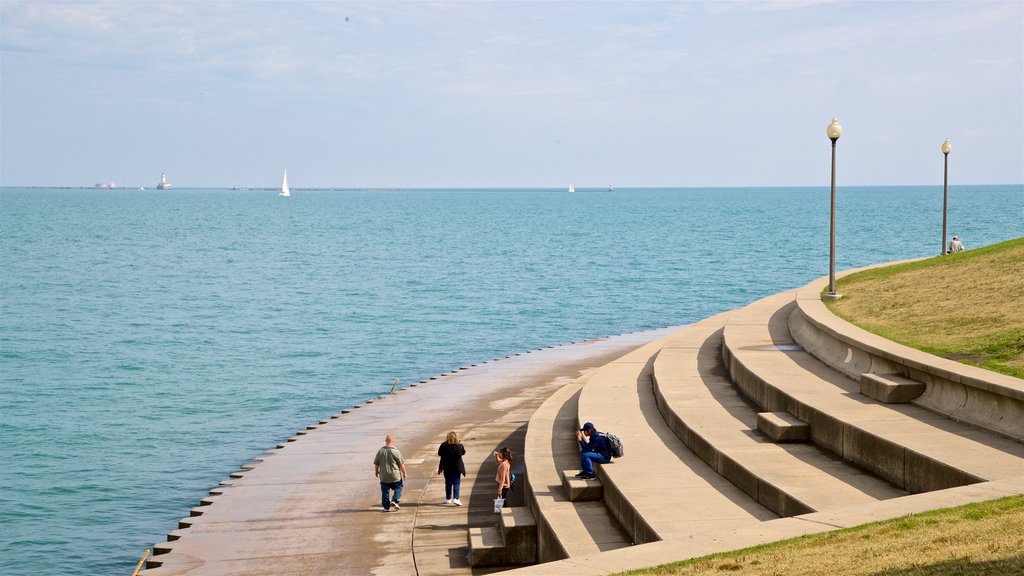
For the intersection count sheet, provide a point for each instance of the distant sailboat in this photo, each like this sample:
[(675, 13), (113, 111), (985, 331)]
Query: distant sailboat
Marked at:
[(571, 187), (285, 190)]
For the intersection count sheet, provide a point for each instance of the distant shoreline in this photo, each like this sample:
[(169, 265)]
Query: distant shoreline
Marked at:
[(500, 188)]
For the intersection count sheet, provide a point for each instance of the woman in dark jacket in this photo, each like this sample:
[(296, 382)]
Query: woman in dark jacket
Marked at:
[(451, 453)]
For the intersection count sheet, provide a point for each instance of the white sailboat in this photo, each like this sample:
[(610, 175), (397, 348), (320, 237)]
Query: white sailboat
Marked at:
[(571, 187), (285, 190)]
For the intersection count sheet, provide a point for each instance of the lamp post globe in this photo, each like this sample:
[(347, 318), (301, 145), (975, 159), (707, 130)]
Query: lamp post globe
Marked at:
[(946, 149), (834, 130)]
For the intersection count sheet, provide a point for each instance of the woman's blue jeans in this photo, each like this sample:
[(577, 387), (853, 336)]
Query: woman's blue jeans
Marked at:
[(452, 481)]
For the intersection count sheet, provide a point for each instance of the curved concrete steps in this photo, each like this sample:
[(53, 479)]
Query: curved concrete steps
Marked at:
[(691, 408), (964, 393), (659, 490), (565, 528), (707, 412), (913, 448)]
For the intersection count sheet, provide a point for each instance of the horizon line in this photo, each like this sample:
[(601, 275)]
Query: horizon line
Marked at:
[(457, 188)]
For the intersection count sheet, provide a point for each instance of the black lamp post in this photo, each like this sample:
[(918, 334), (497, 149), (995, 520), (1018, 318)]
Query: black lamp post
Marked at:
[(946, 148), (834, 131)]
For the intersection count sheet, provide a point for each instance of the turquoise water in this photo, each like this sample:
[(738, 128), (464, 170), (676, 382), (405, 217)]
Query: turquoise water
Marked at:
[(151, 342)]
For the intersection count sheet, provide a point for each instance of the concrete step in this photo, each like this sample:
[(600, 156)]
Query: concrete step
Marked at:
[(660, 489), (709, 414), (783, 427), (565, 529), (910, 447), (512, 542), (581, 489), (890, 388), (486, 546), (519, 530)]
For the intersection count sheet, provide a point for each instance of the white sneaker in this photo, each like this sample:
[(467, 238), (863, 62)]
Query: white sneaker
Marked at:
[(457, 502), (448, 502)]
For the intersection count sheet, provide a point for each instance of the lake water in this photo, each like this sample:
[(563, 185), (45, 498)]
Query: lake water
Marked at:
[(151, 342)]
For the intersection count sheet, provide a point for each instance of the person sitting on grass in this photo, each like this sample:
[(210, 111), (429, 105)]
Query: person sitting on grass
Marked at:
[(593, 448)]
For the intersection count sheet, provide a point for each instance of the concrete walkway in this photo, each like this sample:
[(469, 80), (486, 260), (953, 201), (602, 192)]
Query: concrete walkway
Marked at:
[(312, 505)]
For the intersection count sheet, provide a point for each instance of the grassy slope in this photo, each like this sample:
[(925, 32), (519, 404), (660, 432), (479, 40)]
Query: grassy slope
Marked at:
[(984, 539), (968, 306)]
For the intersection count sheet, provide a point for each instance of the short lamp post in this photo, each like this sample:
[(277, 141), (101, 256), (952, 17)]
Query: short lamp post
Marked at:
[(946, 149), (834, 130)]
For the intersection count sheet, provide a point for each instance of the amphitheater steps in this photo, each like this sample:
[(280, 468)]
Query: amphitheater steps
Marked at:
[(565, 528), (690, 409), (706, 411), (659, 490), (906, 445)]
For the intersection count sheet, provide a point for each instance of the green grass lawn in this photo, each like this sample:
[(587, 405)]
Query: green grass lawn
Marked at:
[(967, 307)]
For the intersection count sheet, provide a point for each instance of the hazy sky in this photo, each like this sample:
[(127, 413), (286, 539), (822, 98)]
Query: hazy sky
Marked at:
[(494, 94)]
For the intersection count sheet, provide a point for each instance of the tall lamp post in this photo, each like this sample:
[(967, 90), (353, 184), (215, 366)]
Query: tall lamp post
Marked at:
[(834, 130), (946, 149)]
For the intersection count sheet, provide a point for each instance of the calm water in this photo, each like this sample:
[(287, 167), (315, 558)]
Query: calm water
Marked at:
[(151, 342)]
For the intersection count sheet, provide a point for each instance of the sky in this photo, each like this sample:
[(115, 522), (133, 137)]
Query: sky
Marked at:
[(509, 94)]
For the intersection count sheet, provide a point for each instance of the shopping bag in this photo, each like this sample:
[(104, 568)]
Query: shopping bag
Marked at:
[(498, 504)]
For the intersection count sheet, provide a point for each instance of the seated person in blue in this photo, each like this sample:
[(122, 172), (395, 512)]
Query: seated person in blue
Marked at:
[(593, 448)]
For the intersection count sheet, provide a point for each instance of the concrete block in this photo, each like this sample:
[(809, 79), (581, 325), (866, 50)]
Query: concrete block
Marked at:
[(783, 427), (890, 388), (514, 541), (519, 531), (580, 490), (486, 547)]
